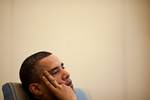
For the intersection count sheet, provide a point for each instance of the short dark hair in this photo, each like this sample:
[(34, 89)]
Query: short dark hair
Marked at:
[(28, 71)]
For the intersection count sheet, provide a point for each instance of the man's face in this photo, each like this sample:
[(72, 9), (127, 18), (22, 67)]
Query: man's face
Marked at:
[(56, 68)]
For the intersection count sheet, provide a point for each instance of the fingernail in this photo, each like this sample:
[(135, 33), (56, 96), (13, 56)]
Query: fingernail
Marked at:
[(43, 77)]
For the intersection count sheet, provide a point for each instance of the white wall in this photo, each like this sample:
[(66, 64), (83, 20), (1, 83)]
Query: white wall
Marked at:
[(105, 44)]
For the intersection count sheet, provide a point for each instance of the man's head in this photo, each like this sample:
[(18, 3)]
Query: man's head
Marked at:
[(32, 69)]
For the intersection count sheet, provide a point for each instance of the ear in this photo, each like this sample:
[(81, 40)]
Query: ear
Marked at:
[(35, 89)]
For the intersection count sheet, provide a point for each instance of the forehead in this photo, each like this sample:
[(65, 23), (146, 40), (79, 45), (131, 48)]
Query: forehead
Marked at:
[(49, 62)]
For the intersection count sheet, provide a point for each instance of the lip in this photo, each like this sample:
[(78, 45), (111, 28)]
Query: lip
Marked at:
[(69, 83)]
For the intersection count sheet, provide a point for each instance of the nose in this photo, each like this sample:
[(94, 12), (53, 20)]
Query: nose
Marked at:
[(65, 74)]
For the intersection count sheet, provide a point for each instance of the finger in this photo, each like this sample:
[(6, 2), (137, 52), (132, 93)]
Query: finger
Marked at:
[(51, 79), (47, 83)]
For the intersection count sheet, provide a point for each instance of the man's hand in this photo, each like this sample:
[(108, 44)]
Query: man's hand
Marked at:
[(62, 92)]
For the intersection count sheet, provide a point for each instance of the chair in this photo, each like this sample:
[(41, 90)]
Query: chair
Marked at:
[(14, 91)]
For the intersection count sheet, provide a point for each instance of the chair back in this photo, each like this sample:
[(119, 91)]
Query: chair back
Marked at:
[(14, 91)]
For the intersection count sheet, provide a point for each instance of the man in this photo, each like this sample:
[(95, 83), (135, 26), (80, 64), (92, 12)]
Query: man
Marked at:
[(44, 77)]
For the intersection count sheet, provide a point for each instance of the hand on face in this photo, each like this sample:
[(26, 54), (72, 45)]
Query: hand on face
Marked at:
[(62, 92)]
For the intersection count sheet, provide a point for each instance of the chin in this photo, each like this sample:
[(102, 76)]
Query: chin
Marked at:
[(72, 86)]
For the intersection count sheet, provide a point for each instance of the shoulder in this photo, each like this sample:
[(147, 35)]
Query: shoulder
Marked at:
[(81, 95)]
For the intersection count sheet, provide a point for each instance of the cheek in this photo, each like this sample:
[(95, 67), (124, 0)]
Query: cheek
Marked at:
[(59, 79)]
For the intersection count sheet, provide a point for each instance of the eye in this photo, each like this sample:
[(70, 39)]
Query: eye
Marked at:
[(55, 71), (62, 66)]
